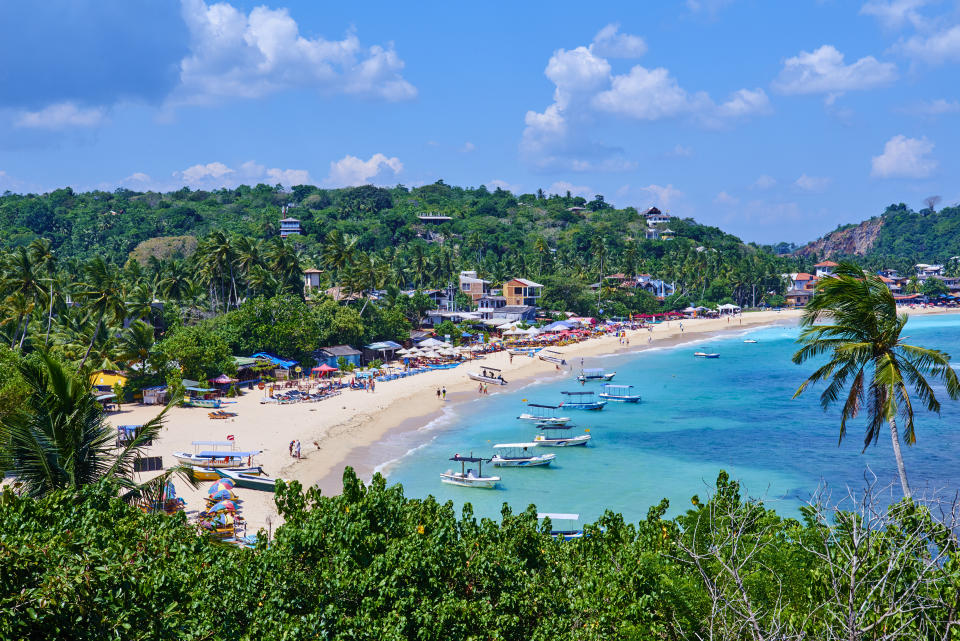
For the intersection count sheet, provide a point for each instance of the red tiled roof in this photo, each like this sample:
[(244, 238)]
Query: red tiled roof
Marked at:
[(804, 276), (827, 263)]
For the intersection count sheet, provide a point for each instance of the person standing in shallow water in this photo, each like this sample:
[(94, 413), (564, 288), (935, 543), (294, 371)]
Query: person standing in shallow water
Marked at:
[(438, 393), (444, 392)]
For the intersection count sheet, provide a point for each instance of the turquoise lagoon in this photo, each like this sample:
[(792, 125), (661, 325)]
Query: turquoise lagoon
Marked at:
[(697, 417)]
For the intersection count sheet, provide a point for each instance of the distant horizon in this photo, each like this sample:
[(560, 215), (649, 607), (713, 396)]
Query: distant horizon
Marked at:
[(774, 122)]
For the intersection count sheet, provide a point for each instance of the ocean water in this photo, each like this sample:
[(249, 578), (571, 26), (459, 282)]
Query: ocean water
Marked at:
[(697, 417)]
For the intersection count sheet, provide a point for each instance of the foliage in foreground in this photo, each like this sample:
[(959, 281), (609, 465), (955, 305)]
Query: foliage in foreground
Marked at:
[(372, 564)]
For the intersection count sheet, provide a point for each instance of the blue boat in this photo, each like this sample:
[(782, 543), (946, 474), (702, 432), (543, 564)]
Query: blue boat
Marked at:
[(582, 401)]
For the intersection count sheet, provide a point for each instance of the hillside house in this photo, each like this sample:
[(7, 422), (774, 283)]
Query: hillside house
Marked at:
[(512, 313), (825, 268), (311, 280), (925, 271), (473, 286), (290, 226), (522, 292), (488, 304), (798, 297), (803, 280), (656, 217)]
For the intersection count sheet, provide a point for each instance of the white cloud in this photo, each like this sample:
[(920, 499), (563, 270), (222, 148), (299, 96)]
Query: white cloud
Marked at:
[(8, 182), (468, 147), (664, 197), (561, 187), (609, 42), (764, 182), (938, 107), (904, 157), (812, 183), (679, 151), (723, 198), (139, 177), (936, 48), (894, 14), (502, 184), (239, 55), (62, 116), (351, 171), (709, 6), (216, 174), (824, 71), (586, 90)]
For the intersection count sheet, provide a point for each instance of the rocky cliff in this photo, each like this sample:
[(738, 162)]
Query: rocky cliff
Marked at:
[(856, 241)]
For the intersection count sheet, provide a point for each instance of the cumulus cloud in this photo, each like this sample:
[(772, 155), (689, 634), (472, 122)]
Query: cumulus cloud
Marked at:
[(138, 177), (895, 14), (468, 147), (935, 48), (764, 182), (723, 198), (824, 71), (502, 184), (609, 42), (238, 55), (351, 171), (680, 151), (215, 175), (812, 183), (904, 157), (561, 187), (586, 89), (662, 196), (938, 107), (64, 115)]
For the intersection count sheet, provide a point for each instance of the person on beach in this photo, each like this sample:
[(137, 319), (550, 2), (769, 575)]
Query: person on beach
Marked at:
[(444, 392), (438, 393), (511, 359), (291, 448), (480, 388), (298, 450)]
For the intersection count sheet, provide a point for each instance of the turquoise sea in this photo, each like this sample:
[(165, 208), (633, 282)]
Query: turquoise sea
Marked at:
[(697, 417)]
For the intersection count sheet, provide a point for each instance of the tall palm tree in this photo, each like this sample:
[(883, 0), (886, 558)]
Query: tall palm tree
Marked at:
[(100, 291), (24, 279), (861, 337), (136, 343), (176, 284), (60, 441), (368, 273), (337, 252)]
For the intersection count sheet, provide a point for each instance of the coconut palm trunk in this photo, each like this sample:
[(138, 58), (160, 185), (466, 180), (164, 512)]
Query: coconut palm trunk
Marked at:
[(898, 455)]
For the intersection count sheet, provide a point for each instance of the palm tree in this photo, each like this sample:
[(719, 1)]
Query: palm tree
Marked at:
[(60, 441), (136, 343), (367, 274), (101, 293), (862, 338), (337, 252), (176, 285), (24, 281)]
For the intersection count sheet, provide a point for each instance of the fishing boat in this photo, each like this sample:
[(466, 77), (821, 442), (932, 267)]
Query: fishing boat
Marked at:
[(210, 473), (590, 375), (209, 403), (565, 534), (222, 455), (582, 401), (558, 436), (488, 375), (619, 393), (544, 415), (551, 356), (749, 340), (519, 455), (249, 481), (467, 477), (706, 355), (523, 351)]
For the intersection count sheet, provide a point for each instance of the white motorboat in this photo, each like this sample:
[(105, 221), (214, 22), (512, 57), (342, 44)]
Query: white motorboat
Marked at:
[(551, 356), (519, 455), (749, 340), (544, 415), (260, 482), (706, 355), (583, 401), (591, 375), (467, 477), (489, 375), (558, 436), (218, 457), (565, 534), (619, 393)]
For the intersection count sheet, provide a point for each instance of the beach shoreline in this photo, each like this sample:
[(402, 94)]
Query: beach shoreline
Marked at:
[(368, 431)]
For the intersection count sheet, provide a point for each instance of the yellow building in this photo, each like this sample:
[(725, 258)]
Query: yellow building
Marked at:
[(107, 378)]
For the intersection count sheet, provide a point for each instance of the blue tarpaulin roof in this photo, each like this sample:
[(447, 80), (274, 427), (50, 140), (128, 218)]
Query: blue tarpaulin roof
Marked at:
[(274, 359), (557, 326), (384, 345)]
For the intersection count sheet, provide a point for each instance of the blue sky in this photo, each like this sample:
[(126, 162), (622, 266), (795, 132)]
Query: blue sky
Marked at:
[(773, 120)]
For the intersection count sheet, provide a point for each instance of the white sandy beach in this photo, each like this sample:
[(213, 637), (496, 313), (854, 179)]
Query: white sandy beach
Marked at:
[(339, 431)]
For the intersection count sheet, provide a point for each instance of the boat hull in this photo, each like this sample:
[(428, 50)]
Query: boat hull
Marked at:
[(486, 379), (591, 407), (483, 482), (210, 474), (203, 461), (208, 403), (249, 481), (533, 461), (606, 378), (573, 441), (542, 420), (620, 399)]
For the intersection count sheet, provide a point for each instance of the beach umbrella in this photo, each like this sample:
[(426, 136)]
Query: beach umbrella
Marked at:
[(223, 495), (222, 484), (224, 506)]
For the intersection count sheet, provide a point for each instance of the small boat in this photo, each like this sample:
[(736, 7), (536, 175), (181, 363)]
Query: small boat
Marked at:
[(249, 481), (589, 375), (466, 477), (209, 403), (583, 401), (554, 436), (749, 340), (488, 375), (210, 474), (706, 355), (566, 534), (551, 356), (545, 415), (523, 351), (213, 458), (519, 455), (619, 393)]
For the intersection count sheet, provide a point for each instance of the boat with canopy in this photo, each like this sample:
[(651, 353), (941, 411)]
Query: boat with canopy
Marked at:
[(466, 477), (489, 375), (559, 436), (565, 534), (216, 457), (544, 415), (596, 374), (582, 401), (619, 393), (519, 455), (551, 356)]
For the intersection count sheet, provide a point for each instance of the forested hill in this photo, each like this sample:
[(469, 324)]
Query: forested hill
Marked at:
[(899, 238), (115, 224)]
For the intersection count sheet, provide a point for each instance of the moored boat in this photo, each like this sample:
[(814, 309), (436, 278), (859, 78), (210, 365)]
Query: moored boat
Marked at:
[(210, 474), (749, 340), (519, 455), (249, 481), (551, 356), (583, 401), (218, 459), (565, 534), (467, 477), (489, 375), (544, 415), (598, 374), (557, 436), (619, 393), (706, 355)]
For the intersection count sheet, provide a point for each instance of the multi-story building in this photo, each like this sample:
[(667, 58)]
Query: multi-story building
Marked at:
[(473, 286), (825, 268), (522, 292), (289, 226), (311, 280)]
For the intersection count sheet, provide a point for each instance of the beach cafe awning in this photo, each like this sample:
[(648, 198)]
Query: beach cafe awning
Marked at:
[(384, 346), (324, 369), (279, 362), (557, 326), (223, 379)]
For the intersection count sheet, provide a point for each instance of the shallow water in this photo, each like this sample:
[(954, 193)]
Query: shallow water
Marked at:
[(697, 417)]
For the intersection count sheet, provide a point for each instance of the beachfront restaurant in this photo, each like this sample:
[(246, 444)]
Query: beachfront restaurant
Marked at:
[(281, 366), (331, 356), (383, 350)]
